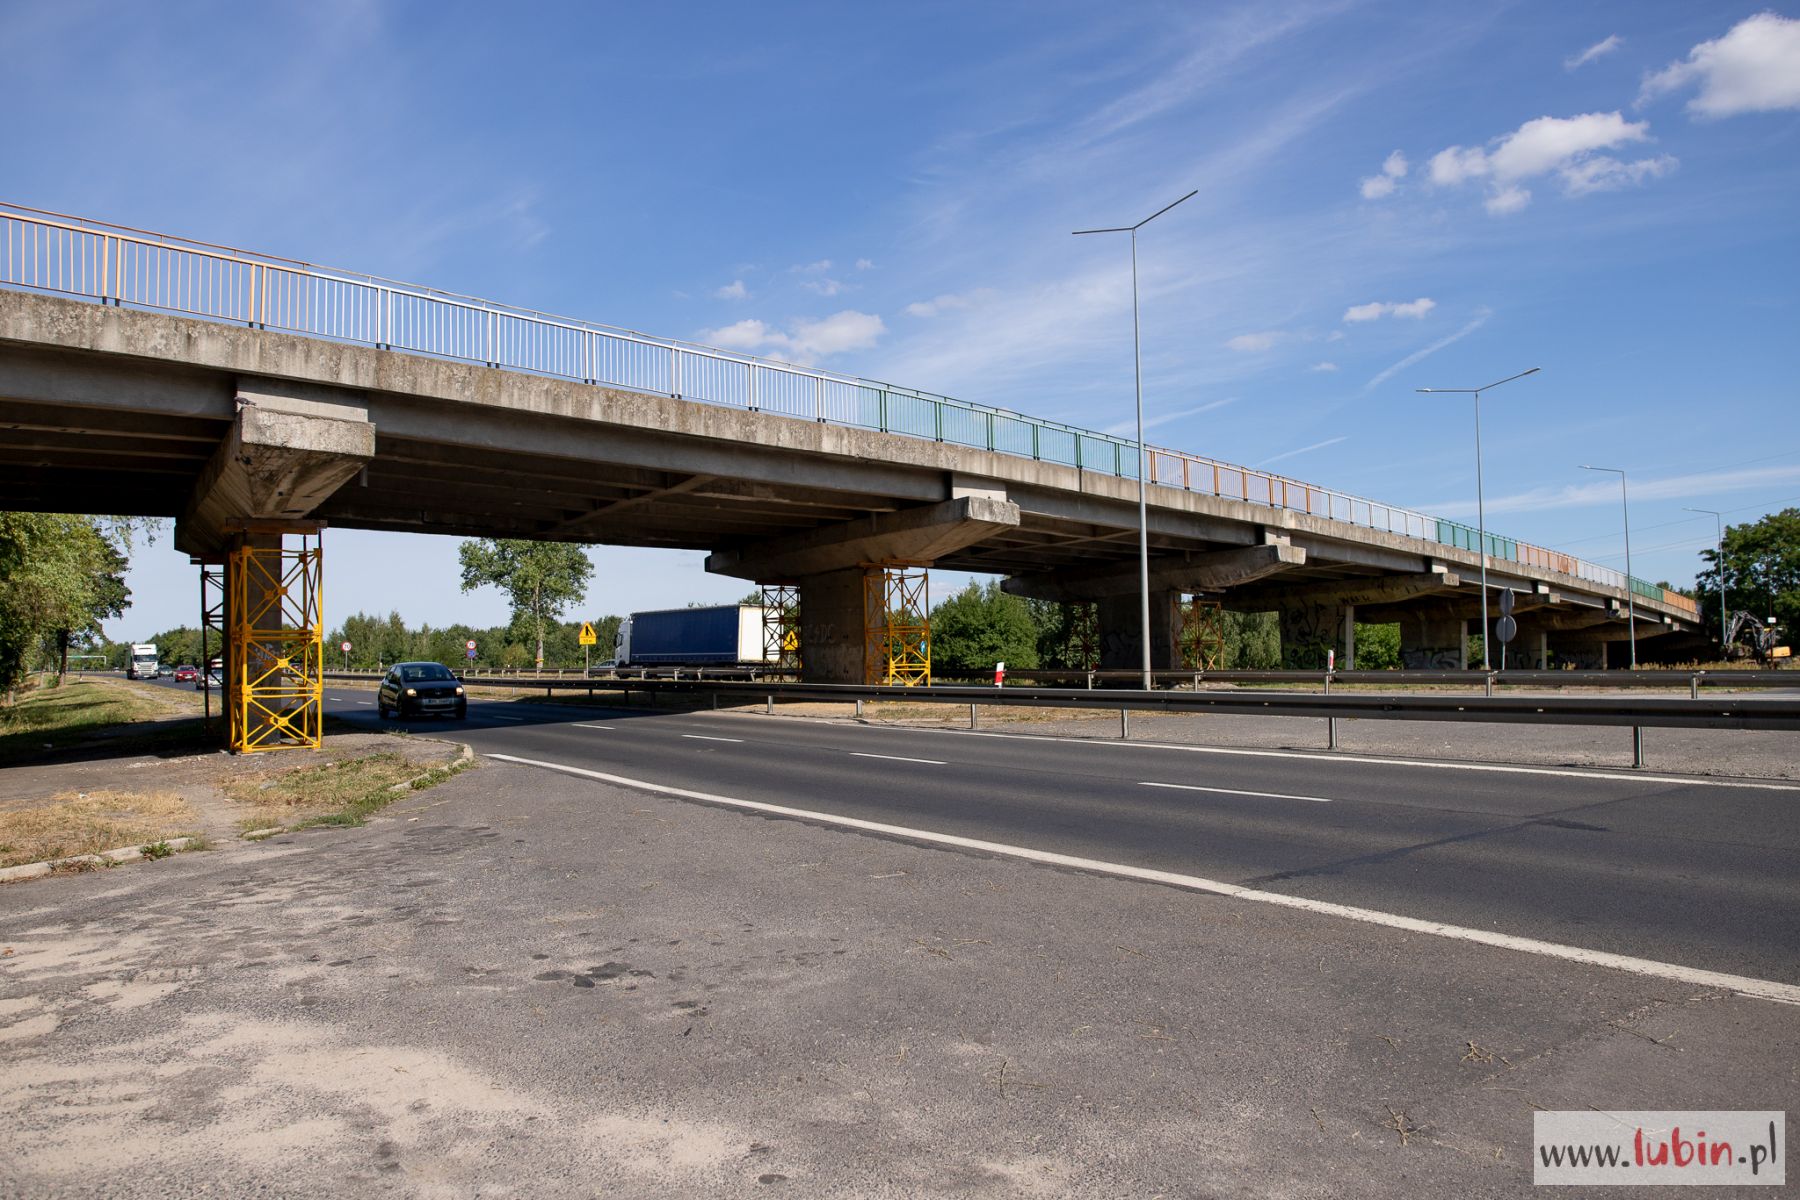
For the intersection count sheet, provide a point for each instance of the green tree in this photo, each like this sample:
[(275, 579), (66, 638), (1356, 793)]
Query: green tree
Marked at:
[(1377, 647), (1252, 641), (1761, 566), (541, 579), (980, 626), (60, 576)]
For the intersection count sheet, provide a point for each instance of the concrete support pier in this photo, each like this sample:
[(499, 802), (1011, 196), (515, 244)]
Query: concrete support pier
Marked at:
[(1433, 639), (831, 626), (1121, 621), (1312, 630)]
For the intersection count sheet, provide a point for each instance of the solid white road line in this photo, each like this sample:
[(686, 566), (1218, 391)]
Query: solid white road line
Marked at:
[(931, 762), (1194, 787), (579, 725), (1764, 989), (701, 737)]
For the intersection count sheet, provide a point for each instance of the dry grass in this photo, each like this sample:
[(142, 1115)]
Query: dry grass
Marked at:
[(90, 822), (341, 793), (53, 718)]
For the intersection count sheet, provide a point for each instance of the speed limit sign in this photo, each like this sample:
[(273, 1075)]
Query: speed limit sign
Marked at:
[(469, 645)]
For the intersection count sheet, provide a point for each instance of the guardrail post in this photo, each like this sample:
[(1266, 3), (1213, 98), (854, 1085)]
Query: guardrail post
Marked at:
[(769, 706), (974, 720), (1124, 724), (1487, 683), (1694, 686), (1637, 745), (859, 710)]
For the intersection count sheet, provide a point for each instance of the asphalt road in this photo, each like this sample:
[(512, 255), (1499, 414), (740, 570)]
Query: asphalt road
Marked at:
[(1695, 873), (528, 982)]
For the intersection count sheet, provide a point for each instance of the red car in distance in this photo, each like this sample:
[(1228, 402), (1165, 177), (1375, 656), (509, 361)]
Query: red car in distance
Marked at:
[(186, 674)]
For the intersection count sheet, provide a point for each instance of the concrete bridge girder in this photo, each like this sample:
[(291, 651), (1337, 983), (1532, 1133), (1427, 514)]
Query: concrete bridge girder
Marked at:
[(921, 534), (1193, 572)]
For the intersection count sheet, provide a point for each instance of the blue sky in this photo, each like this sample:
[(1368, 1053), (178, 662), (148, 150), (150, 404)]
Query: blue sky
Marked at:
[(1390, 197)]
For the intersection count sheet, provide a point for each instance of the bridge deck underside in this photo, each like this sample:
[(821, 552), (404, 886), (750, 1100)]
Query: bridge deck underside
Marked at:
[(473, 452)]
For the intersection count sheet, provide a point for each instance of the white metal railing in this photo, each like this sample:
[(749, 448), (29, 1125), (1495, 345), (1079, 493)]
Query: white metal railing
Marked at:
[(123, 266)]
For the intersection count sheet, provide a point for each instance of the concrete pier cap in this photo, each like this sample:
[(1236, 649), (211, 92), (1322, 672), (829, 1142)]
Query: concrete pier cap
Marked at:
[(289, 448)]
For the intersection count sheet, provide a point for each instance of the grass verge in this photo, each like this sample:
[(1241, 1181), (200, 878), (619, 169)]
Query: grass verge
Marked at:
[(341, 793), (55, 718), (91, 822)]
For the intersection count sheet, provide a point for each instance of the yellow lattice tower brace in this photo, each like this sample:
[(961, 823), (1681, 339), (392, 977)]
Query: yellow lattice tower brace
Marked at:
[(781, 627), (896, 624), (276, 662), (1203, 635)]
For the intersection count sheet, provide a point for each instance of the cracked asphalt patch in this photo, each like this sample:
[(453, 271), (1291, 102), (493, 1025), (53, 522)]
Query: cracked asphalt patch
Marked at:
[(520, 983)]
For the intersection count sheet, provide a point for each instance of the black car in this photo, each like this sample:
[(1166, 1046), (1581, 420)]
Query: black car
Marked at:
[(421, 689)]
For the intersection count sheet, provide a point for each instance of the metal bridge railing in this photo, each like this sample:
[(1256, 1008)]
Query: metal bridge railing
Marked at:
[(124, 266)]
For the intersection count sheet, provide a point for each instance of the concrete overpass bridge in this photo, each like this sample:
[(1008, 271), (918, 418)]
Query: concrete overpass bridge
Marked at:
[(242, 394)]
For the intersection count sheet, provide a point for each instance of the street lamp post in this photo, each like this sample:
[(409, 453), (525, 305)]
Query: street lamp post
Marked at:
[(1630, 596), (1137, 357), (1718, 563), (1487, 660)]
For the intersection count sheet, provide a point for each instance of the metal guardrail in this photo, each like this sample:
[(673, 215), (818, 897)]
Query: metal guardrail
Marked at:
[(119, 265), (1728, 712), (1694, 681)]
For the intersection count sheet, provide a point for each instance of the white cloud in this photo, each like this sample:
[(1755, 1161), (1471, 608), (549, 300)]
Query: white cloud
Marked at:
[(825, 287), (735, 290), (1450, 167), (1393, 170), (865, 264), (1755, 67), (812, 268), (1304, 450), (1606, 173), (1324, 366), (1599, 49), (805, 339), (1254, 343), (941, 304), (1122, 428), (1565, 145), (837, 334), (1507, 200), (748, 334), (1376, 309), (1674, 487), (1377, 186), (1546, 143), (1416, 356)]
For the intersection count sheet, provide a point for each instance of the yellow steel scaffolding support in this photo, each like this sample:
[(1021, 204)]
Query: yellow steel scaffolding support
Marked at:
[(1203, 635), (781, 627), (275, 666), (896, 623)]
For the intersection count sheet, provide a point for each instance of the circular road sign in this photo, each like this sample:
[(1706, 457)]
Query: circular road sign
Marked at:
[(469, 645), (1506, 628), (345, 647)]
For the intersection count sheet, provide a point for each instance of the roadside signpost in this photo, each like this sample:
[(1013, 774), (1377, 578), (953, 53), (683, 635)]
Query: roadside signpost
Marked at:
[(469, 649), (345, 648), (588, 638)]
